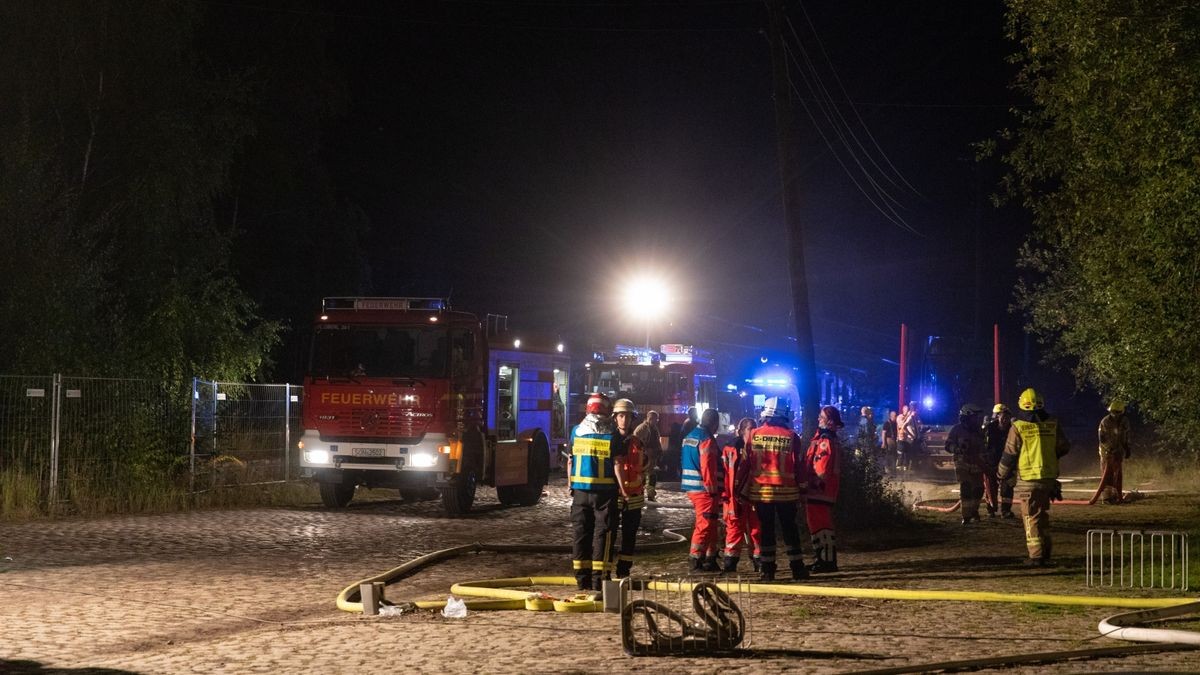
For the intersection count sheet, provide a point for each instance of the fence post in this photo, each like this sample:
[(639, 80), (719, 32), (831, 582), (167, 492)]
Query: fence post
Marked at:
[(192, 444), (55, 415), (287, 431)]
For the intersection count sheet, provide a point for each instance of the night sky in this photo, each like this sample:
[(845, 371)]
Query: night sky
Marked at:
[(528, 156)]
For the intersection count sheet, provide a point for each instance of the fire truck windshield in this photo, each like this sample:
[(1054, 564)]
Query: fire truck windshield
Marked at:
[(378, 351), (644, 385)]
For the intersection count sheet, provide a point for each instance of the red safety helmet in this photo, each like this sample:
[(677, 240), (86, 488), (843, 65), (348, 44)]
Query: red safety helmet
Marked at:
[(599, 404)]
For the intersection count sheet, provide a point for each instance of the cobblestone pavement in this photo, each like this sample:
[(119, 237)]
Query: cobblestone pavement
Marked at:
[(253, 591)]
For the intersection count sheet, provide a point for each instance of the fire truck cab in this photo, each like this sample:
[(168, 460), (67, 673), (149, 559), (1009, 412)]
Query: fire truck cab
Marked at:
[(405, 393)]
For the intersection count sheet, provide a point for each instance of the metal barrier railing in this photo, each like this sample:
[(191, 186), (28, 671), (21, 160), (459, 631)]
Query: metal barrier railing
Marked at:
[(663, 616), (1137, 559)]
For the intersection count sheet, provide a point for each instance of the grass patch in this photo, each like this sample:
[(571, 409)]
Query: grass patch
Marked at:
[(1158, 472), (20, 494)]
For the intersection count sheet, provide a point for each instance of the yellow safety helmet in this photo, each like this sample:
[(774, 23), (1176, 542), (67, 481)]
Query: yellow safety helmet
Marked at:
[(999, 408), (1030, 400), (624, 405), (1116, 406)]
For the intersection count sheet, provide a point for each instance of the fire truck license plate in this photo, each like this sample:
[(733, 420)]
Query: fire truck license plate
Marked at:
[(367, 452)]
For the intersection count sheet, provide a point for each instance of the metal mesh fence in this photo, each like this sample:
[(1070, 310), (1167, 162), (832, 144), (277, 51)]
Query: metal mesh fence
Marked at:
[(26, 418), (243, 432), (119, 441), (114, 444)]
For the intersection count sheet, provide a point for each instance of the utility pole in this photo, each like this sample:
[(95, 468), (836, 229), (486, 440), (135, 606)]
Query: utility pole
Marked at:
[(789, 175)]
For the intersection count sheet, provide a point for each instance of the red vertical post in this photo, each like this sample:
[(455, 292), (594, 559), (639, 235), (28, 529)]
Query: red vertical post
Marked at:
[(903, 366), (996, 363)]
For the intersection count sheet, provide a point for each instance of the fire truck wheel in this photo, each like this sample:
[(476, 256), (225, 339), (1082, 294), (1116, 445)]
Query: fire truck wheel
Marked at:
[(539, 471), (336, 495), (458, 497)]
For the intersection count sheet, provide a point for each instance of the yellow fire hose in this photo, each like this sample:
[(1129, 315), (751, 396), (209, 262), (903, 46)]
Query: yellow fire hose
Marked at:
[(496, 594)]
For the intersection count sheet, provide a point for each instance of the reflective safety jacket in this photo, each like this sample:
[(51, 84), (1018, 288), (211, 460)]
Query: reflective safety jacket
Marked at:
[(592, 451), (821, 470), (700, 460), (1035, 443), (633, 464), (772, 465)]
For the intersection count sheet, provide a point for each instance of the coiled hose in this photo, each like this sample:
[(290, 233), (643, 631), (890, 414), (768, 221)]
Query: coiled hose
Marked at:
[(723, 627)]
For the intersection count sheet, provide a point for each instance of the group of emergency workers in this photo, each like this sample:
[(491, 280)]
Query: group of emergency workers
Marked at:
[(750, 486), (755, 483), (1010, 458)]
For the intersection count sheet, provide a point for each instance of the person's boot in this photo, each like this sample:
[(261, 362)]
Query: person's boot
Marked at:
[(799, 571), (584, 581), (623, 568), (697, 564), (710, 564), (1007, 514), (597, 582), (757, 563), (768, 572), (731, 564)]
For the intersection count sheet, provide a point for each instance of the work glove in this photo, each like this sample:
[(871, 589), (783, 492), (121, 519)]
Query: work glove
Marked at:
[(1056, 492)]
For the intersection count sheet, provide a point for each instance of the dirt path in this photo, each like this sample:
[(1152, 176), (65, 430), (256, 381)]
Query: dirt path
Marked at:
[(253, 590)]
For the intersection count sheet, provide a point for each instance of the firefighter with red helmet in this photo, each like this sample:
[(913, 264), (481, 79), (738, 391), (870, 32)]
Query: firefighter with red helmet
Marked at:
[(596, 480), (703, 480), (741, 522), (771, 480), (632, 466), (823, 475)]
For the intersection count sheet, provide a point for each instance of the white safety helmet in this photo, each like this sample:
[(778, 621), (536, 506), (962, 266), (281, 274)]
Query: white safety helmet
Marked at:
[(776, 406)]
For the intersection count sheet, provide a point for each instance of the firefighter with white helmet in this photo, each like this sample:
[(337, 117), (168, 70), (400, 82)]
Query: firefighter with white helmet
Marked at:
[(596, 480), (1035, 443), (1113, 435), (632, 466), (966, 443), (770, 477)]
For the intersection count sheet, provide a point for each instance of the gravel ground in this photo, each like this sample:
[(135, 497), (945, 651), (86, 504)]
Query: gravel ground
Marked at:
[(253, 591)]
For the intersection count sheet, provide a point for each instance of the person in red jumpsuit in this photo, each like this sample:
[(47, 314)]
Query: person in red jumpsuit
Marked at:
[(741, 522), (821, 472), (770, 477)]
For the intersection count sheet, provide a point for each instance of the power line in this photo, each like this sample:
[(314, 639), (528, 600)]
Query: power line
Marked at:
[(838, 79)]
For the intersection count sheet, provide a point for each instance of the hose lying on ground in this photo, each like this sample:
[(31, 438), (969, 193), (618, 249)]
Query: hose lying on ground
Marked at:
[(1124, 626)]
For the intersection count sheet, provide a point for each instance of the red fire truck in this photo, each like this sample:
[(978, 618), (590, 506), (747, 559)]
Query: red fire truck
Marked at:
[(670, 381), (406, 393)]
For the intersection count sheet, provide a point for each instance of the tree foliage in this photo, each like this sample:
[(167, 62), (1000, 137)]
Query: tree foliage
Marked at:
[(163, 195), (1108, 162)]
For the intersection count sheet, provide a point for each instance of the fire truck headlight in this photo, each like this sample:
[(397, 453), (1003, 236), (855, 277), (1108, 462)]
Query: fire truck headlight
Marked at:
[(317, 456), (423, 460)]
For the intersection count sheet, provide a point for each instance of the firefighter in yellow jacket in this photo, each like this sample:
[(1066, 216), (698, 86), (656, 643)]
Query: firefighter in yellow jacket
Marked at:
[(1035, 442)]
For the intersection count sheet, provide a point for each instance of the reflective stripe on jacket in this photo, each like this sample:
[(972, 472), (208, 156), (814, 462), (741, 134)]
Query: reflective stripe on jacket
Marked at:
[(592, 461), (773, 460), (1037, 459), (821, 463), (700, 461), (632, 464)]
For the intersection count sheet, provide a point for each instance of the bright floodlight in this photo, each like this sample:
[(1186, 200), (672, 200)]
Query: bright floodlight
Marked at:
[(643, 297)]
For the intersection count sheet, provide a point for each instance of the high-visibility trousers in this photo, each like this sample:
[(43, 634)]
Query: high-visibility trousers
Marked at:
[(707, 529)]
